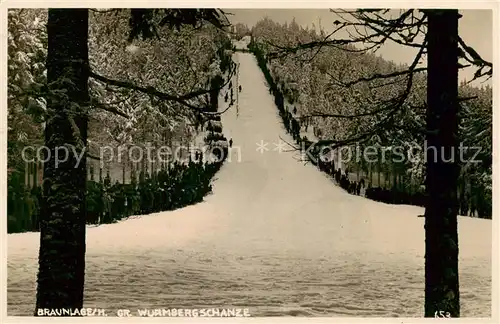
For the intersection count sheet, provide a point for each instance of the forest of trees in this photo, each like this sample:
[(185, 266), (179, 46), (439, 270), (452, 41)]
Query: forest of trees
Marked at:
[(119, 118), (85, 79), (321, 84)]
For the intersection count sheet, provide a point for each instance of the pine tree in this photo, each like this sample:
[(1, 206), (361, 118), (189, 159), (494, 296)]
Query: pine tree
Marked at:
[(62, 221)]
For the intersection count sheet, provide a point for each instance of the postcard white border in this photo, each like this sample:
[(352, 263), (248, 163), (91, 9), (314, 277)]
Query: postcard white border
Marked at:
[(253, 4)]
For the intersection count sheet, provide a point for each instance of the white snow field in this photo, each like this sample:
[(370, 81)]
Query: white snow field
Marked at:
[(276, 237)]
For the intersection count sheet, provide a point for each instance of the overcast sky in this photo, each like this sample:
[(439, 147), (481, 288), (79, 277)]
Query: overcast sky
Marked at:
[(475, 28)]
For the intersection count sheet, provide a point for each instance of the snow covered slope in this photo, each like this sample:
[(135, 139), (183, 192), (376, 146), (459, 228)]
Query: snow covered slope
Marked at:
[(276, 237)]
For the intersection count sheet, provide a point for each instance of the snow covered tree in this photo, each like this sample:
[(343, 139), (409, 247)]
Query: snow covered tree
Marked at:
[(241, 30), (62, 224), (26, 79), (27, 42)]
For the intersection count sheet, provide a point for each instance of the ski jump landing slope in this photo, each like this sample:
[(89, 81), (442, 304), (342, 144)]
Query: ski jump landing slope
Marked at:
[(276, 236)]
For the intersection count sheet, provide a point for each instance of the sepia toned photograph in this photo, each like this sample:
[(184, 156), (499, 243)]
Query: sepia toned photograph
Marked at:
[(214, 163)]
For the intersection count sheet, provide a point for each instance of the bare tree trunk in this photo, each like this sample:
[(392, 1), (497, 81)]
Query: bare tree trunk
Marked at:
[(379, 173), (26, 174), (441, 239), (37, 173), (62, 222), (124, 169), (91, 172), (31, 177)]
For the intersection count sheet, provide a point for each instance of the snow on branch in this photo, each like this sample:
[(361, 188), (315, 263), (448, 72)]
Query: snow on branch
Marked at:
[(369, 29), (393, 104), (182, 99), (364, 114), (384, 76), (108, 108)]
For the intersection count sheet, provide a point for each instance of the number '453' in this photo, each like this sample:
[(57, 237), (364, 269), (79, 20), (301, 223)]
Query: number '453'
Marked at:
[(442, 314)]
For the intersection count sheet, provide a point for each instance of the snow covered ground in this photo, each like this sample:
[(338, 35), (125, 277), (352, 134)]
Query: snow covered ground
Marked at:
[(276, 237), (242, 43)]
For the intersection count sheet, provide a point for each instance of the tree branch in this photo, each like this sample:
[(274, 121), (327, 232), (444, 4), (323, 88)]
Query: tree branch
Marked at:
[(325, 115), (384, 76), (383, 28), (100, 105), (475, 59), (164, 96), (93, 157)]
